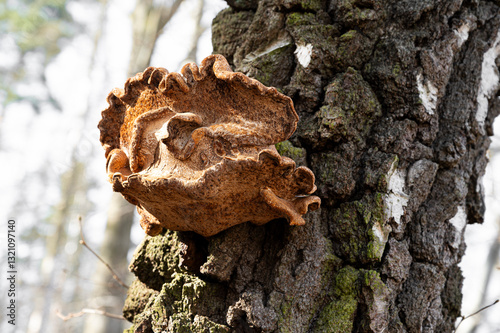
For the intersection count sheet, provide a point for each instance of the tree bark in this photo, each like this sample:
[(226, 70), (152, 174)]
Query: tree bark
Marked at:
[(396, 100), (48, 295)]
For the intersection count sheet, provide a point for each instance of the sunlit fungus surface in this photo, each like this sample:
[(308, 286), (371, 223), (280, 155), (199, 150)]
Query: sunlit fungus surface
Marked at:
[(195, 151)]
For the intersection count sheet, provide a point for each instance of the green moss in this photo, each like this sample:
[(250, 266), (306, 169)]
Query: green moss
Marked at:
[(314, 5), (295, 19), (359, 229), (377, 234), (181, 323), (372, 279), (138, 297), (348, 36), (338, 315), (376, 246), (286, 148), (306, 5), (356, 14), (285, 315), (156, 259), (396, 70), (375, 249), (375, 294), (345, 282), (186, 302)]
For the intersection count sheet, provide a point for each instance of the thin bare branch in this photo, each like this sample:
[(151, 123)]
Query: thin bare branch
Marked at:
[(475, 313), (111, 270), (88, 311)]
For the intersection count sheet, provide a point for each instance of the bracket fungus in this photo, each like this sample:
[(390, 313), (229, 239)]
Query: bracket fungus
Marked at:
[(195, 151)]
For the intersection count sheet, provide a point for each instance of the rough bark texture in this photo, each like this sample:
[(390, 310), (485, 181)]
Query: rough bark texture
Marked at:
[(394, 124)]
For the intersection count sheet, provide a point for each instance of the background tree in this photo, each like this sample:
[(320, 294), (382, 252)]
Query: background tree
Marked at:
[(149, 19), (56, 58), (33, 33), (396, 100), (32, 36)]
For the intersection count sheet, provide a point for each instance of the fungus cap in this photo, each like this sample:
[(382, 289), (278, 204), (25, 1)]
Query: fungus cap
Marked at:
[(195, 151)]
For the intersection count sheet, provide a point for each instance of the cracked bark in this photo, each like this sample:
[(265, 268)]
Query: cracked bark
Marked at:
[(394, 124)]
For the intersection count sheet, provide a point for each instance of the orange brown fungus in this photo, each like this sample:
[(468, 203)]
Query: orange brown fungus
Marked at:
[(195, 151)]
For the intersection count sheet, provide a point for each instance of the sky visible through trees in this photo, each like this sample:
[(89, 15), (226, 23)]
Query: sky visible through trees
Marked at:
[(57, 66)]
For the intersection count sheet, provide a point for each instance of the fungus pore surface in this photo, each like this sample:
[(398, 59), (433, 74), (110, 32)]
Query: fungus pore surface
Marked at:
[(195, 151)]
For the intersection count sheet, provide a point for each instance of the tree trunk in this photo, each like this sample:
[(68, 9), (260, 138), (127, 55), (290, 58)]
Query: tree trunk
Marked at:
[(107, 294), (396, 100), (198, 31), (148, 20), (47, 300)]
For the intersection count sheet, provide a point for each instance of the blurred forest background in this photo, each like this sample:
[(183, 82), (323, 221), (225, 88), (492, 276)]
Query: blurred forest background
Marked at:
[(58, 61)]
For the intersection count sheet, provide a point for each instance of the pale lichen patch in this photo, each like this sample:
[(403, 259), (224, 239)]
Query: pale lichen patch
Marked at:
[(379, 233), (395, 199), (462, 34), (427, 93), (489, 81), (458, 222), (303, 53)]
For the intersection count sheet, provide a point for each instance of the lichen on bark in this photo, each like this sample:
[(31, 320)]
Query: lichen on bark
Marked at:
[(388, 122)]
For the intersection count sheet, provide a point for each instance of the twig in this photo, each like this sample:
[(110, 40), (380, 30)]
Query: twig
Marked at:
[(475, 313), (88, 311), (110, 284), (113, 273)]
